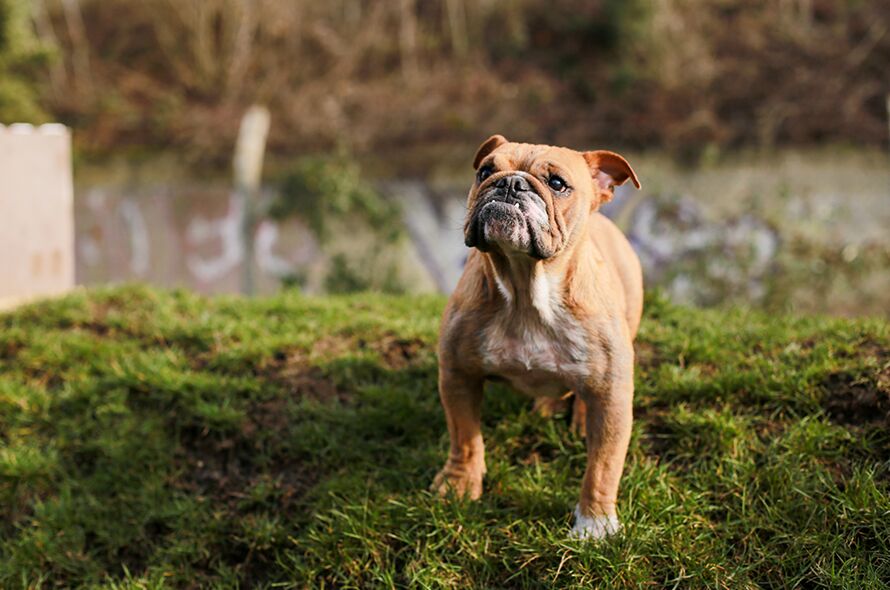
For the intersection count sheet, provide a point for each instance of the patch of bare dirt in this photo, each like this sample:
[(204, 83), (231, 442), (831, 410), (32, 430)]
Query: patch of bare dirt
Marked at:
[(225, 467), (862, 403), (246, 472), (309, 382), (224, 471), (855, 400), (396, 353), (269, 416), (867, 347), (332, 346), (294, 370), (99, 314)]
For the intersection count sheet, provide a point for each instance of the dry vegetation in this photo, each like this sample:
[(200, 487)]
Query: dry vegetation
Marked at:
[(374, 75)]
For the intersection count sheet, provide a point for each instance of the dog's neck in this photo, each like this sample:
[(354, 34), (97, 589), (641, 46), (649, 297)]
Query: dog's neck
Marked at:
[(530, 286)]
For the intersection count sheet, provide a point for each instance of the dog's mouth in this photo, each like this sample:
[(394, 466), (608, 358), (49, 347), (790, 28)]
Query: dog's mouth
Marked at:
[(511, 216)]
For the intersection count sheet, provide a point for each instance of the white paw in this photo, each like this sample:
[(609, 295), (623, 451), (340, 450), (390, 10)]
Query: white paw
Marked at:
[(595, 527)]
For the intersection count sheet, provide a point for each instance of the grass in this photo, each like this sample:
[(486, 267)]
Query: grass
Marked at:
[(164, 440)]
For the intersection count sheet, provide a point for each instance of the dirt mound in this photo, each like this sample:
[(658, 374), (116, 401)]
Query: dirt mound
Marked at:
[(856, 400), (396, 352), (860, 399), (294, 370)]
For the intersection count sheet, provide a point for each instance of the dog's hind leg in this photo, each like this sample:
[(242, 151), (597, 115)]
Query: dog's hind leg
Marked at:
[(551, 406), (579, 417)]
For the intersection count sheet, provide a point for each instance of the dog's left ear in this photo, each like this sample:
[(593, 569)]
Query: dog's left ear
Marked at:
[(488, 146), (609, 170)]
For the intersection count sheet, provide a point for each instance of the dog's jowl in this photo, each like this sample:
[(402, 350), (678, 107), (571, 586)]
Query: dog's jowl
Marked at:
[(550, 301)]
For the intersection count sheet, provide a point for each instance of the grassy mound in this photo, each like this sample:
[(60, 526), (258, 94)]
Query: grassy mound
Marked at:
[(153, 439)]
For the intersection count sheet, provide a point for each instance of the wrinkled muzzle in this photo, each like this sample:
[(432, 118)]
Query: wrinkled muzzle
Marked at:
[(510, 215)]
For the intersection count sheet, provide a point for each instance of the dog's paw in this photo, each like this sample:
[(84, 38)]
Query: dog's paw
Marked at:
[(594, 528), (459, 481)]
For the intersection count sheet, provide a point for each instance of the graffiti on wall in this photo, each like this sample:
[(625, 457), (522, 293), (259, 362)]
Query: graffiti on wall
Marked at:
[(191, 237), (182, 237), (679, 246)]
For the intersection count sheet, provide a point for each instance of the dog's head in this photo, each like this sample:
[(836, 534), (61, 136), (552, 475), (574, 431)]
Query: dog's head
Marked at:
[(532, 199)]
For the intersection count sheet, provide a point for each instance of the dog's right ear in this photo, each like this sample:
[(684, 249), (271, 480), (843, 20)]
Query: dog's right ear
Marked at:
[(609, 170), (488, 146)]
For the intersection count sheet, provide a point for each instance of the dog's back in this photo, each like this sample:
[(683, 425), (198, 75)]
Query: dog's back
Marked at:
[(623, 263)]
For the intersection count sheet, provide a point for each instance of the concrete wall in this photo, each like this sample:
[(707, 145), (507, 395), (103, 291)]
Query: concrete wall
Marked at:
[(183, 236), (805, 230), (36, 213)]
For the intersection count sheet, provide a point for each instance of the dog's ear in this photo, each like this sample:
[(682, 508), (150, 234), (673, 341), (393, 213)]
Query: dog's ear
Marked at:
[(488, 146), (609, 170)]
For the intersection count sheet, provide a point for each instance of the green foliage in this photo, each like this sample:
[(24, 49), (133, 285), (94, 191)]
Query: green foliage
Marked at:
[(582, 40), (322, 189), (332, 196), (354, 275), (163, 440), (20, 58)]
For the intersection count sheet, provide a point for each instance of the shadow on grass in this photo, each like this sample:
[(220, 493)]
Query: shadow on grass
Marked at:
[(193, 449)]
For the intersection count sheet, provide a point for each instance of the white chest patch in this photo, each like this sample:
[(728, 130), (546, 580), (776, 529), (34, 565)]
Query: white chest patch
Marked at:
[(541, 354)]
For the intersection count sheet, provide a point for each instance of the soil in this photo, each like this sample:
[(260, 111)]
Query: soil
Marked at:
[(396, 353), (855, 401), (295, 370), (860, 399), (224, 469)]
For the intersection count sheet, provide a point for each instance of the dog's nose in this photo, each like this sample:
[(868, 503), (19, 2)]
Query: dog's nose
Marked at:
[(514, 184)]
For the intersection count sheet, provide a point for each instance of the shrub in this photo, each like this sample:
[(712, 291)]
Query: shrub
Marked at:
[(20, 58)]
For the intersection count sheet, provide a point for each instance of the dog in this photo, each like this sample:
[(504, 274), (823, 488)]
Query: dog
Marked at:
[(550, 301)]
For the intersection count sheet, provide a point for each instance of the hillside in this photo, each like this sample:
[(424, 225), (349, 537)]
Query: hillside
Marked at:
[(159, 439), (410, 80)]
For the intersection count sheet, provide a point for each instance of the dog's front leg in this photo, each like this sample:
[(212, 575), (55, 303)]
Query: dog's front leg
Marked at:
[(608, 421), (461, 397)]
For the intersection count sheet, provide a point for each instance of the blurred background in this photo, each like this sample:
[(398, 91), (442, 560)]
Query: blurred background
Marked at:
[(759, 130)]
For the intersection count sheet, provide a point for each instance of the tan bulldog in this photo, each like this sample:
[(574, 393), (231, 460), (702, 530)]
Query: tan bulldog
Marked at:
[(550, 300)]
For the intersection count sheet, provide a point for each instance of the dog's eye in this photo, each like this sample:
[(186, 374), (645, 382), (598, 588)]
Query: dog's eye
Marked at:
[(484, 172), (557, 184)]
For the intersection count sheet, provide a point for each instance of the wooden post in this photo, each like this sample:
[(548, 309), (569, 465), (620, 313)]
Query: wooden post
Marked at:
[(248, 166)]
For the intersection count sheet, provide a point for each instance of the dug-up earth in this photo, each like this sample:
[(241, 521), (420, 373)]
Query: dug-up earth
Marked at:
[(154, 439)]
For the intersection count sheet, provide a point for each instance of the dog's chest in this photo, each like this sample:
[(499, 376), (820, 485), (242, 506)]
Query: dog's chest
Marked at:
[(537, 356)]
